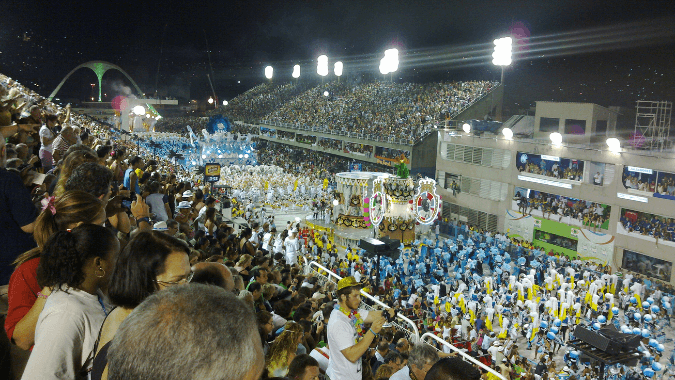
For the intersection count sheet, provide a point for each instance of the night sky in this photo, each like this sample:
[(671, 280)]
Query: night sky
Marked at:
[(610, 53)]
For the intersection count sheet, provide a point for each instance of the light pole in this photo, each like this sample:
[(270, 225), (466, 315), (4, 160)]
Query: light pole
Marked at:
[(269, 72), (502, 54), (322, 66), (389, 64), (338, 70), (296, 73)]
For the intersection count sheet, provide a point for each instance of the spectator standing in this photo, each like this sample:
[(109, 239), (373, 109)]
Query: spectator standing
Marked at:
[(76, 265), (47, 137), (17, 217), (62, 142)]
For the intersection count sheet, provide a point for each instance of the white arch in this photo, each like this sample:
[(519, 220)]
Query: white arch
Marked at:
[(99, 68)]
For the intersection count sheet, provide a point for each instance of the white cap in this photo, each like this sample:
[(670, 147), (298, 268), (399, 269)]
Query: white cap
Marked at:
[(160, 226), (187, 193), (184, 204)]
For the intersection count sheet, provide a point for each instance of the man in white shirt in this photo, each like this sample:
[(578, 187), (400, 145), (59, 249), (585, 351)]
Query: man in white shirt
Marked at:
[(349, 341)]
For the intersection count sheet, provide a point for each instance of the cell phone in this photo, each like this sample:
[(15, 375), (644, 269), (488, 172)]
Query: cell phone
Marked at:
[(126, 204)]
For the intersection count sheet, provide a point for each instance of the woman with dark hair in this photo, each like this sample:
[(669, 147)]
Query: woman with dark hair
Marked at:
[(26, 297), (150, 262), (265, 328), (210, 221), (198, 202), (245, 245), (76, 264)]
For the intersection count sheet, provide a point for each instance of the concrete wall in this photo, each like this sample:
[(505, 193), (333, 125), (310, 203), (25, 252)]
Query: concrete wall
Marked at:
[(424, 155), (492, 101), (589, 112), (585, 190)]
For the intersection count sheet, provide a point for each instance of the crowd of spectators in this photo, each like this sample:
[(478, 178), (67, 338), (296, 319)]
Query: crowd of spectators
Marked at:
[(119, 266), (261, 100), (556, 171), (330, 144), (592, 214), (180, 124), (404, 111), (655, 226), (366, 150)]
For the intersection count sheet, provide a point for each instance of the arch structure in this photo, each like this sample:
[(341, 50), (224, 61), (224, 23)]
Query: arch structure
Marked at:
[(99, 68)]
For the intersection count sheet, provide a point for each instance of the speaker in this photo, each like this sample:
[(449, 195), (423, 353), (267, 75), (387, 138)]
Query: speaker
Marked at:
[(596, 340), (628, 342)]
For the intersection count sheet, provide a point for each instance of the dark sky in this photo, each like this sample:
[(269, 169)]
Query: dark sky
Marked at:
[(610, 53)]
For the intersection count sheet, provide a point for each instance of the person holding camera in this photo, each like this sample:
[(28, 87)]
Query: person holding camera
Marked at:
[(348, 338)]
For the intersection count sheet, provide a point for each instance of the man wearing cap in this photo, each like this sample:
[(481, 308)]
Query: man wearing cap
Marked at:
[(348, 339)]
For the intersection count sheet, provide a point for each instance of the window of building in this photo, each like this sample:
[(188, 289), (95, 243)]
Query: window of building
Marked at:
[(575, 127), (549, 124), (601, 127)]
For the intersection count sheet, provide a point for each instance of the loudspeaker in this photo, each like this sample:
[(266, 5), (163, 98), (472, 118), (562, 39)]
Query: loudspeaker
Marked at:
[(597, 340)]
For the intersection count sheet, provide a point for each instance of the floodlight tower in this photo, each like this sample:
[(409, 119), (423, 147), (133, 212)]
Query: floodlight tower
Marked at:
[(502, 54), (338, 70), (269, 72), (322, 66), (389, 64), (296, 73)]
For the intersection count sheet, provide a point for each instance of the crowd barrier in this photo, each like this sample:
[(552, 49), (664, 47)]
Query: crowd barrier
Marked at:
[(325, 275), (461, 353)]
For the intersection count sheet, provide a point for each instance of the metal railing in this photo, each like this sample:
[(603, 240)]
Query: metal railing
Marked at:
[(463, 354), (412, 333)]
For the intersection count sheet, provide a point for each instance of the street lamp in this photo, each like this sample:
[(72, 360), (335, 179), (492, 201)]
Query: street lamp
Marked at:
[(269, 72), (556, 138), (508, 133), (225, 102), (210, 100), (296, 71), (502, 54), (614, 145), (139, 110)]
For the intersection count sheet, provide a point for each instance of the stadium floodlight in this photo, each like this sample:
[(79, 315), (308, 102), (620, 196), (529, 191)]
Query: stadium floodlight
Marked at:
[(614, 145), (389, 63), (326, 93), (556, 138), (322, 65), (466, 127), (508, 133), (139, 110), (269, 72), (210, 100), (296, 71), (225, 102), (502, 53), (338, 68)]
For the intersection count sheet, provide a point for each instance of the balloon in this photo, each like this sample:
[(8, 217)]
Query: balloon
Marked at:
[(557, 322), (645, 305), (653, 343), (602, 319), (648, 372), (655, 308), (543, 324), (656, 366), (633, 300), (637, 316), (550, 335), (645, 333), (596, 326), (615, 310), (637, 331), (660, 347), (648, 318)]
